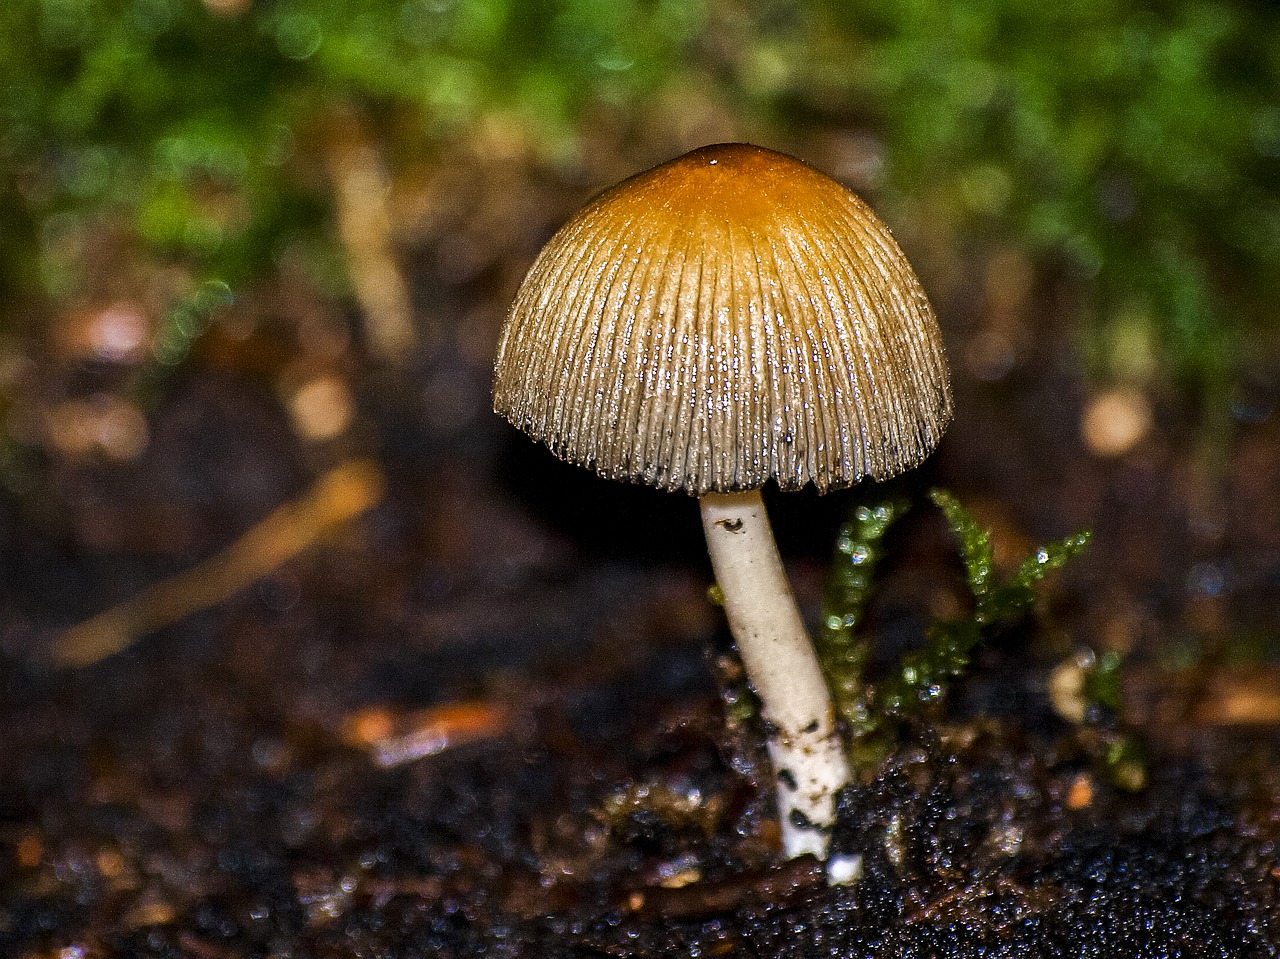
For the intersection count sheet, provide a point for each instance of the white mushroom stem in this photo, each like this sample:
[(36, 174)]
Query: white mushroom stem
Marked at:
[(807, 756)]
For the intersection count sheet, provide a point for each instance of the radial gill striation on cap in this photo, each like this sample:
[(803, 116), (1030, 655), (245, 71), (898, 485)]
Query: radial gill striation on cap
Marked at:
[(730, 317)]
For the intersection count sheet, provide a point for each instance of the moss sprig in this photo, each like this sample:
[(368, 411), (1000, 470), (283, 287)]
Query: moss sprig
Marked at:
[(873, 714), (842, 652), (994, 603)]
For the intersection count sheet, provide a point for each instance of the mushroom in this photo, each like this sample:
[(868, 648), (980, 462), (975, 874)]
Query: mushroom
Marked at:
[(728, 318)]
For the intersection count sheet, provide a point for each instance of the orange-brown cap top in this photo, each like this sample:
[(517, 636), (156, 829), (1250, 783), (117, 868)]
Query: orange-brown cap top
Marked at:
[(729, 317)]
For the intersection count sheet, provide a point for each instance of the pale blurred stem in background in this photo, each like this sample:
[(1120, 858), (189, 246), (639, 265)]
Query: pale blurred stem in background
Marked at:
[(361, 187)]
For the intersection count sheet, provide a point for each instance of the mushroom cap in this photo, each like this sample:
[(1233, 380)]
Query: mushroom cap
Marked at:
[(729, 317)]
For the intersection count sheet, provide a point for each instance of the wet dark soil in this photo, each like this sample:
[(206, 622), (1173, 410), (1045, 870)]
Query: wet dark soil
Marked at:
[(486, 719)]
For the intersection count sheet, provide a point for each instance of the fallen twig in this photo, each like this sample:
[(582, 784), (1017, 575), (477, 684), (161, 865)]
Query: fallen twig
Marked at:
[(780, 886), (396, 738), (342, 494)]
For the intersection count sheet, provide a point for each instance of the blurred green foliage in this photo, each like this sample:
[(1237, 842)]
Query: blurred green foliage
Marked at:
[(202, 125), (1133, 146), (1136, 144)]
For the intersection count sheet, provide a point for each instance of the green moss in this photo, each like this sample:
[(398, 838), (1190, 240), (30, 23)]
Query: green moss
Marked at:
[(1001, 603), (873, 714), (205, 131), (1102, 682), (842, 650), (1144, 169)]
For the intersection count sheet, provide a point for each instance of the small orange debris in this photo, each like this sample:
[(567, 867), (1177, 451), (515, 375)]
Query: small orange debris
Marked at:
[(149, 913), (398, 738), (1080, 795), (110, 863), (30, 851), (681, 878), (366, 727)]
